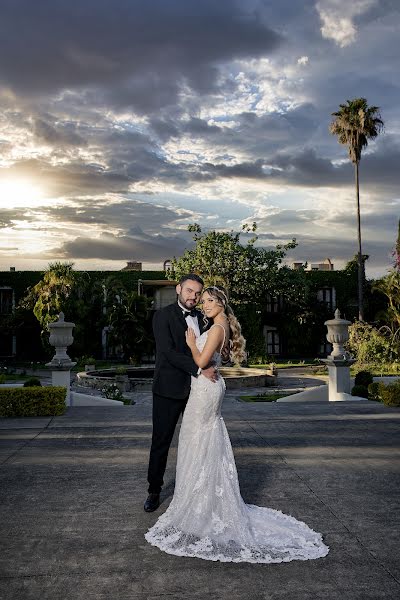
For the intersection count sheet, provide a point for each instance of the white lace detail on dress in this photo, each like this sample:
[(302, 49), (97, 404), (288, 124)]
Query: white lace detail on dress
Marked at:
[(207, 517)]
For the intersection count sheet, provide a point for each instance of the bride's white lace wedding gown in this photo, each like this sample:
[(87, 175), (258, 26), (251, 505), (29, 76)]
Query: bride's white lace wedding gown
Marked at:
[(207, 517)]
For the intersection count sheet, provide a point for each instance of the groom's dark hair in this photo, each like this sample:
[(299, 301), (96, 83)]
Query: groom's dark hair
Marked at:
[(192, 277)]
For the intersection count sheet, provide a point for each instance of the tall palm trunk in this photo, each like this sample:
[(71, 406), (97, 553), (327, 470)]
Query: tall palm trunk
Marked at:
[(360, 258)]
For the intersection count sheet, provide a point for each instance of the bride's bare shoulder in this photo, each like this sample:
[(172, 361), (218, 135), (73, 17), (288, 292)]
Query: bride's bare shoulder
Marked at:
[(216, 332), (221, 335)]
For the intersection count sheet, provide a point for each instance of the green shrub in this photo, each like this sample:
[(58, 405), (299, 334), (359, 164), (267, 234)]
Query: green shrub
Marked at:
[(360, 390), (112, 392), (363, 378), (32, 382), (390, 394), (373, 392), (370, 344), (32, 402), (121, 371), (2, 378), (86, 360)]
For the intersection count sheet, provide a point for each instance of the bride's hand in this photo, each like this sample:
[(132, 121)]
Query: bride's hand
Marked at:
[(190, 338)]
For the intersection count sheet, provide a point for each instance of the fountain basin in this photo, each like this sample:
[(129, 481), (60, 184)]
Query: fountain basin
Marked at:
[(141, 378)]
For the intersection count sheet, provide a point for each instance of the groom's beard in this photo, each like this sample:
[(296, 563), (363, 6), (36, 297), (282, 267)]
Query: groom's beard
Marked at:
[(189, 305)]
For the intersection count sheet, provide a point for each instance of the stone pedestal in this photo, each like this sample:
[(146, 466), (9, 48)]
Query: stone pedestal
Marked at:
[(61, 364), (339, 379), (62, 377), (339, 361)]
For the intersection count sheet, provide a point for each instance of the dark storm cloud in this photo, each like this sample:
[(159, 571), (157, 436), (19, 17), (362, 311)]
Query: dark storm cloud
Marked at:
[(8, 217), (64, 134), (378, 168), (110, 247), (258, 135), (139, 52), (384, 218), (71, 179), (128, 157), (128, 215)]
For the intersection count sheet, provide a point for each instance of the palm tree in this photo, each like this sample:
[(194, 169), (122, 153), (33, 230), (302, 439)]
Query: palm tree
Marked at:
[(355, 123)]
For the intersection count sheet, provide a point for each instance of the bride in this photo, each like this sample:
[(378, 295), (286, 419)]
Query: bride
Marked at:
[(207, 517)]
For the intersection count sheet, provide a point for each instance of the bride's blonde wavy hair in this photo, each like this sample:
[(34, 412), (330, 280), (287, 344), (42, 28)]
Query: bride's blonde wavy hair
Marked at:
[(237, 343)]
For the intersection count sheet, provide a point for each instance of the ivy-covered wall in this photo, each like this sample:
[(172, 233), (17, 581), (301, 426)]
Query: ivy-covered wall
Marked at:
[(28, 331), (301, 329), (21, 280)]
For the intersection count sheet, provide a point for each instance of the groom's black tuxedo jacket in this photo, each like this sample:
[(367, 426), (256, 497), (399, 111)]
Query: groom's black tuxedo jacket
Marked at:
[(174, 362)]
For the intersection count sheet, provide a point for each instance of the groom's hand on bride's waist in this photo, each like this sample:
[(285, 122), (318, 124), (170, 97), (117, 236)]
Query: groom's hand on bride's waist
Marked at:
[(211, 372)]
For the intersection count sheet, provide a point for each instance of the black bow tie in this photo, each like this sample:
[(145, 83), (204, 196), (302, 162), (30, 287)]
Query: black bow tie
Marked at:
[(189, 313)]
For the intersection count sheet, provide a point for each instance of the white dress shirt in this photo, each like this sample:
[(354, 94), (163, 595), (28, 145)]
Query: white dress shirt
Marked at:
[(193, 323)]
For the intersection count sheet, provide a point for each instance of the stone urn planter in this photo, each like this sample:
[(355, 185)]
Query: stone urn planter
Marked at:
[(339, 361), (61, 337), (338, 334), (61, 364)]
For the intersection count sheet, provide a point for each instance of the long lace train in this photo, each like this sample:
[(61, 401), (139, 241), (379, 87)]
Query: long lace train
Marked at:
[(207, 517)]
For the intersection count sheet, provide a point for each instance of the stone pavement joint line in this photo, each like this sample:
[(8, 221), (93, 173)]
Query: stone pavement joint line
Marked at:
[(72, 489), (11, 456), (328, 508)]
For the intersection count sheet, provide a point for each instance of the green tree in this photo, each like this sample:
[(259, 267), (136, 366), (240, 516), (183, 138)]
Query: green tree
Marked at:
[(355, 123), (396, 251), (389, 286), (369, 344), (50, 296), (61, 289), (128, 317), (249, 272), (246, 270)]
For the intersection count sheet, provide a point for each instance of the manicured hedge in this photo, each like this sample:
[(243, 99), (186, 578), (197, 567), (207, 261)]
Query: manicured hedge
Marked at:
[(390, 394), (364, 378), (360, 390), (32, 401)]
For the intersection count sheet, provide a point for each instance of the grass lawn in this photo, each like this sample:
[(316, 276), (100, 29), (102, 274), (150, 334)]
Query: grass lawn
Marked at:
[(286, 364), (377, 369), (273, 397), (12, 378)]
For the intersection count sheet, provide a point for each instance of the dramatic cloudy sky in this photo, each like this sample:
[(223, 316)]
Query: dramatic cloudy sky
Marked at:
[(121, 122)]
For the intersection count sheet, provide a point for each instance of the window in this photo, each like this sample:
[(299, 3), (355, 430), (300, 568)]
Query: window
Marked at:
[(273, 343), (7, 344), (327, 296), (6, 301), (273, 303)]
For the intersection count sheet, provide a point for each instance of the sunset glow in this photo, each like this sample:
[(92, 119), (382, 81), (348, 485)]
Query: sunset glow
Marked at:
[(16, 193), (148, 117)]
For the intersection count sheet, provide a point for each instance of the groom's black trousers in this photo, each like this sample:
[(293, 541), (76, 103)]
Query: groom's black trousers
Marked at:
[(166, 412)]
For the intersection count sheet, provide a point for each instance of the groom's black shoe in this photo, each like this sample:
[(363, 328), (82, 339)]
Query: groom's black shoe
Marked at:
[(152, 502)]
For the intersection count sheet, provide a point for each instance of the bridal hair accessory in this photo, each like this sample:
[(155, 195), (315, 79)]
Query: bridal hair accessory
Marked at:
[(214, 287)]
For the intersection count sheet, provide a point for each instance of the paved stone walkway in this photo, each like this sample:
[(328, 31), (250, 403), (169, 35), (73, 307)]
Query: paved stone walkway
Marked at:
[(72, 490)]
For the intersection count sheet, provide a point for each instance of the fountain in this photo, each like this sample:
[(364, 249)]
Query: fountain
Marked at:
[(141, 378)]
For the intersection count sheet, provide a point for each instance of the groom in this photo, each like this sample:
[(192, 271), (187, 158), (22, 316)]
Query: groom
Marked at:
[(172, 375)]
